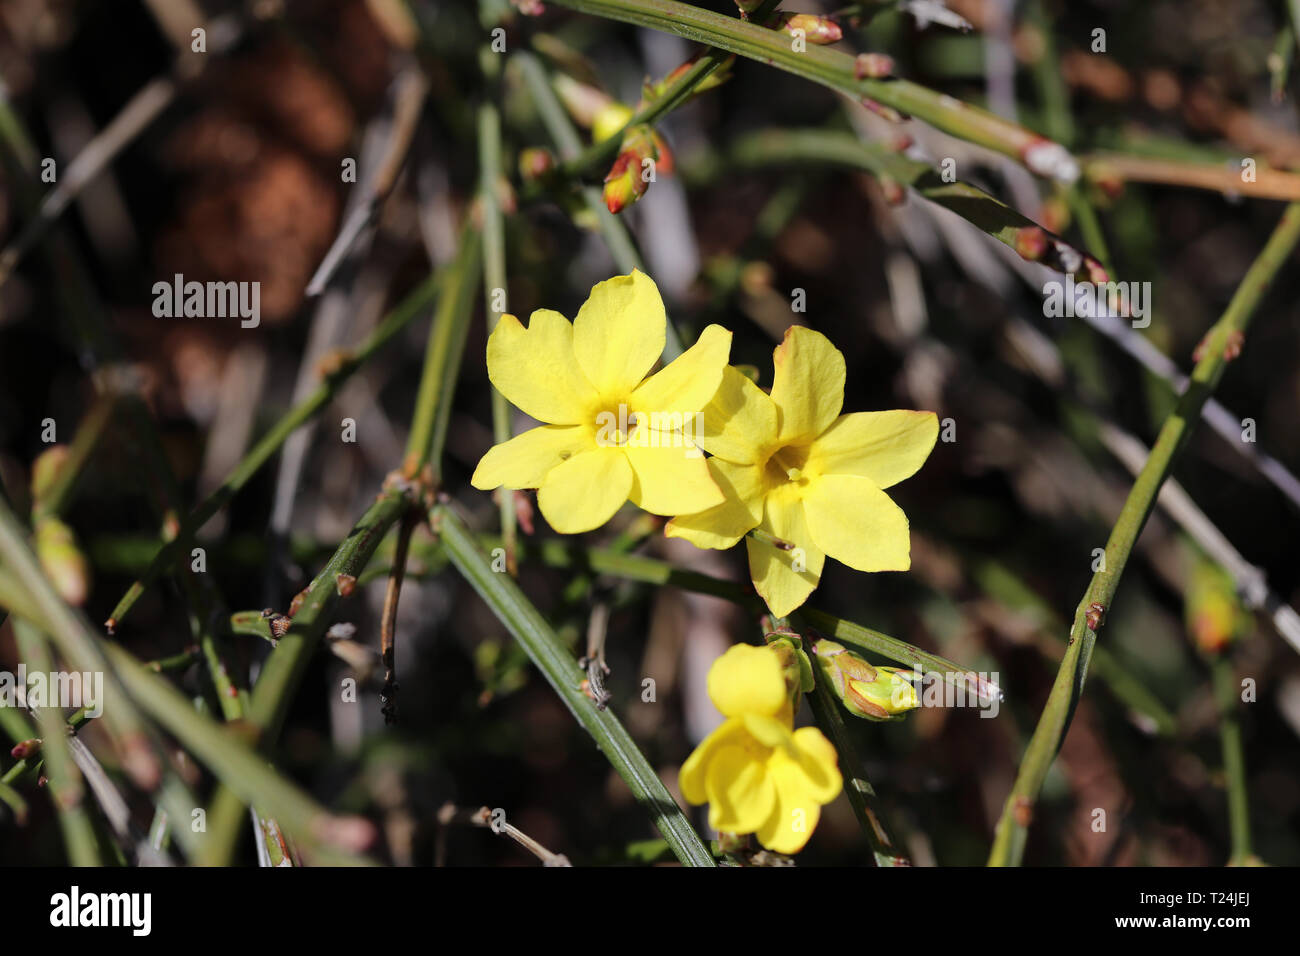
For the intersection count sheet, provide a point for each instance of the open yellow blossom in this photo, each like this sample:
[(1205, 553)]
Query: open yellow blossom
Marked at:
[(757, 774), (806, 476), (609, 433)]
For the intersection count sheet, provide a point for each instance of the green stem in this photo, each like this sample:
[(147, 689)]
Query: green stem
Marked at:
[(67, 790), (411, 307), (990, 215), (442, 359), (835, 69), (284, 668), (598, 156), (826, 711), (561, 129), (1012, 830), (1227, 695), (494, 285), (561, 671)]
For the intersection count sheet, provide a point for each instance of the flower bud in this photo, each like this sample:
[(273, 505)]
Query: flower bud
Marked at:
[(66, 566), (25, 748), (535, 162), (610, 120), (583, 102), (876, 693), (816, 30), (626, 181), (45, 470), (873, 66)]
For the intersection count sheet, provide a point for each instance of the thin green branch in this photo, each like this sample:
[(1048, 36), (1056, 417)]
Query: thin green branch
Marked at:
[(834, 69), (494, 285), (1224, 339), (412, 306), (442, 358), (561, 671), (990, 215), (1227, 697), (284, 669), (66, 787)]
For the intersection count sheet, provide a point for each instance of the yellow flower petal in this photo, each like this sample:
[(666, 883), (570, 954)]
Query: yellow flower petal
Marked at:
[(694, 772), (740, 511), (818, 762), (741, 794), (747, 680), (688, 382), (739, 424), (618, 334), (795, 811), (858, 524), (584, 492), (773, 569), (808, 386), (768, 731), (668, 481), (883, 446), (525, 460), (536, 370)]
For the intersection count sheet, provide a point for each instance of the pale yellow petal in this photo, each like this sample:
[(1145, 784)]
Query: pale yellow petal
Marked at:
[(741, 795), (694, 772), (883, 446), (669, 480), (747, 680), (740, 511), (618, 334), (687, 383), (769, 731), (739, 424), (795, 812), (525, 460), (784, 578), (818, 762), (537, 371), (857, 524), (583, 492), (808, 385)]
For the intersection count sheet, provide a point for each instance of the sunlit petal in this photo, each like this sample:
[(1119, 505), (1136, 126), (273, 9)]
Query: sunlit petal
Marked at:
[(618, 334), (525, 460), (583, 492), (808, 385), (857, 524), (747, 680), (883, 446), (739, 424), (740, 511), (687, 383), (670, 479), (536, 370)]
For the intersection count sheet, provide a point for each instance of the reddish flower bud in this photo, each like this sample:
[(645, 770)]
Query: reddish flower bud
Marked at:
[(816, 30), (873, 66)]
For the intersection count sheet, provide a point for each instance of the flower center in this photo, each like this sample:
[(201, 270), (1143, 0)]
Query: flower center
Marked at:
[(615, 426), (787, 465)]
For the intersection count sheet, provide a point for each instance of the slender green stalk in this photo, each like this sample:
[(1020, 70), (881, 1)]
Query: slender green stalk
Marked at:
[(442, 358), (634, 567), (826, 711), (412, 306), (598, 156), (55, 498), (71, 633), (284, 669), (332, 839), (835, 69), (561, 129), (1226, 694), (494, 286), (67, 790), (1012, 830), (990, 215), (561, 671), (14, 801)]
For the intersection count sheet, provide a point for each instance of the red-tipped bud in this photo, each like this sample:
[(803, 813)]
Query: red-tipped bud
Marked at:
[(623, 184), (892, 190), (816, 30), (873, 66), (1031, 243), (25, 748)]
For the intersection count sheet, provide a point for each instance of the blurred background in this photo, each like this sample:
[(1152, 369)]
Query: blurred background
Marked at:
[(228, 168)]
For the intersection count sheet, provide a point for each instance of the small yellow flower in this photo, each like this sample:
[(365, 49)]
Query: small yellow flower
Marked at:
[(610, 432), (806, 476), (757, 774)]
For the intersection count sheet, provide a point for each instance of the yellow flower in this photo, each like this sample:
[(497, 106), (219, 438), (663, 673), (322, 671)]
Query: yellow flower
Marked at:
[(806, 476), (610, 432), (756, 772)]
